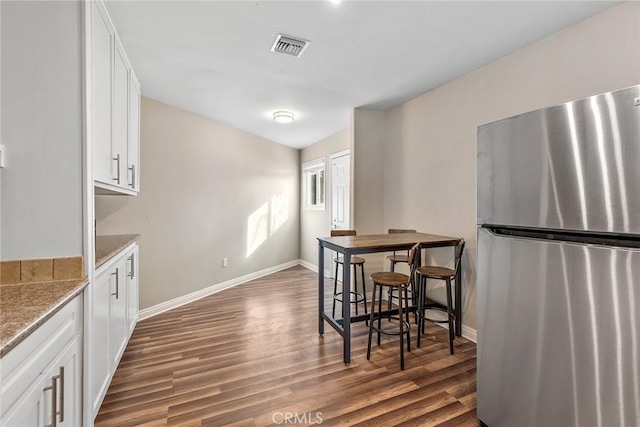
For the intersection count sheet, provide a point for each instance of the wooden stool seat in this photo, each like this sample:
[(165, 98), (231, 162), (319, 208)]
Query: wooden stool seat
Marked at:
[(387, 278), (398, 258), (354, 260), (435, 272)]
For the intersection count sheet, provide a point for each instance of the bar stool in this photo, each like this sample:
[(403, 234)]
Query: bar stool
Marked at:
[(355, 262), (398, 258), (438, 273), (401, 282), (395, 259)]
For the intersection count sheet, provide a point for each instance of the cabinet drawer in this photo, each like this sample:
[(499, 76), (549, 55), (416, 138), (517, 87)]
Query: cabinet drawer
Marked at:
[(21, 366)]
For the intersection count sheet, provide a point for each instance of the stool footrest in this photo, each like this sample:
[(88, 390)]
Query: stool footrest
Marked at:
[(433, 307), (392, 330), (358, 297)]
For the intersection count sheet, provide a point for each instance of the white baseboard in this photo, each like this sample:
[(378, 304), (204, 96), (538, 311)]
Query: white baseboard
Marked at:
[(314, 268), (185, 299), (470, 334), (467, 332), (306, 264)]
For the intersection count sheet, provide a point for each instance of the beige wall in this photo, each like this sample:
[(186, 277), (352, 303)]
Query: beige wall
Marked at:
[(368, 146), (42, 183), (207, 191), (430, 158), (314, 224), (369, 137)]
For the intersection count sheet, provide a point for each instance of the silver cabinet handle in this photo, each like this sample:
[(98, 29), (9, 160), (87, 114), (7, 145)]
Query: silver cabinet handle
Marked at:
[(54, 400), (117, 178), (116, 273), (132, 271), (61, 375), (133, 176)]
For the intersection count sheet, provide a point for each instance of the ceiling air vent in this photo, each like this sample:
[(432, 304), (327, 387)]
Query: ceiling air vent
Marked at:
[(289, 45)]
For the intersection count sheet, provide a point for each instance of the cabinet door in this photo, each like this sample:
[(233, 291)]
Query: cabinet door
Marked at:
[(68, 402), (30, 409), (101, 64), (101, 312), (120, 115), (118, 323), (40, 403), (132, 290), (133, 155)]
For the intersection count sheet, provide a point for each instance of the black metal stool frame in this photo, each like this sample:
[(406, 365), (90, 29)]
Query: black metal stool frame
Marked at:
[(358, 298), (422, 297), (402, 311)]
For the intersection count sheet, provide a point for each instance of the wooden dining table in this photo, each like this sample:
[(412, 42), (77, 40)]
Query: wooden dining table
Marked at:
[(366, 244)]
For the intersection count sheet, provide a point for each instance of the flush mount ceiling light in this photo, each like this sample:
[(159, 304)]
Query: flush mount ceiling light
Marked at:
[(283, 116)]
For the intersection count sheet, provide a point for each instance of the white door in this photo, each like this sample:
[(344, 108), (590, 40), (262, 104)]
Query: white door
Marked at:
[(340, 194)]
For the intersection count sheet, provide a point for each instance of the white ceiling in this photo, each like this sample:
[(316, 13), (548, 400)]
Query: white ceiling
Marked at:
[(213, 57)]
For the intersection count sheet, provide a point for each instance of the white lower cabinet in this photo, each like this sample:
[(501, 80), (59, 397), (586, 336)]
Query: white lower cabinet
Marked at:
[(132, 291), (115, 313), (100, 338), (42, 375), (118, 314)]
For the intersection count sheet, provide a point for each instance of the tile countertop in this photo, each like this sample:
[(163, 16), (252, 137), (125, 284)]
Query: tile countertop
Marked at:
[(26, 306), (109, 246)]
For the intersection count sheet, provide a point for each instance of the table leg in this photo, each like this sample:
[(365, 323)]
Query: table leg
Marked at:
[(458, 307), (320, 287), (346, 307)]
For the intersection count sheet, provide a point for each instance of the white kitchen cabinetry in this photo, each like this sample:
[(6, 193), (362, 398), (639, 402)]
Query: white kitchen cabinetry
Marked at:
[(115, 313), (120, 115), (133, 153), (42, 374), (115, 112), (118, 314), (102, 42), (101, 315), (132, 290)]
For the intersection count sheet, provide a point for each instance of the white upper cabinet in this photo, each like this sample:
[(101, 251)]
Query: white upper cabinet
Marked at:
[(102, 37), (120, 115), (133, 154), (115, 109)]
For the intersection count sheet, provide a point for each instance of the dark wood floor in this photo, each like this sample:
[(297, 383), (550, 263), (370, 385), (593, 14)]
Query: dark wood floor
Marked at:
[(251, 356)]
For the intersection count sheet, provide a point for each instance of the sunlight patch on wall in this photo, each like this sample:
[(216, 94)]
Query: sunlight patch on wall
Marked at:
[(257, 228), (266, 220), (279, 210)]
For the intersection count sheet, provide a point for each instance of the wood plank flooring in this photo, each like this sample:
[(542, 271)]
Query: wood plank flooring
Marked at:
[(251, 356)]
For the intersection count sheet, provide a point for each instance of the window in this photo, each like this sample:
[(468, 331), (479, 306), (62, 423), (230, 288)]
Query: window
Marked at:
[(313, 184)]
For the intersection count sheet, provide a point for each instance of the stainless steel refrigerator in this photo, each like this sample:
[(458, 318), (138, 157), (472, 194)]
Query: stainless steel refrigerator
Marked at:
[(558, 288)]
